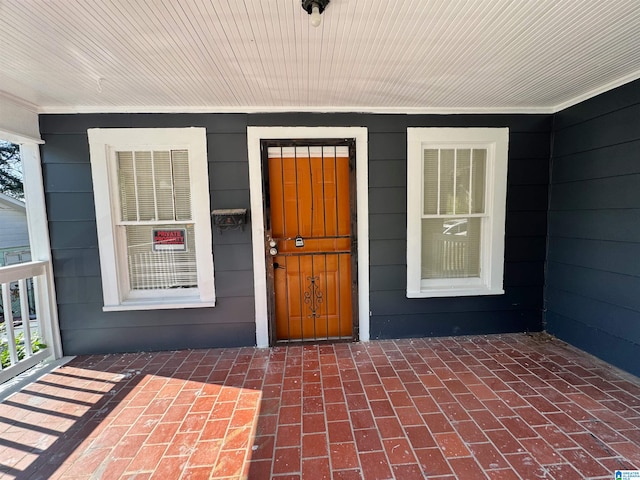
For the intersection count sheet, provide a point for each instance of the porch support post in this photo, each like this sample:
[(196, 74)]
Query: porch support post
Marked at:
[(40, 246), (19, 121)]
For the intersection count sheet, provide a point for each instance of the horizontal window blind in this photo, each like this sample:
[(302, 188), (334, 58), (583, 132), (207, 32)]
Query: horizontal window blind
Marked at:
[(159, 269), (453, 207), (154, 187)]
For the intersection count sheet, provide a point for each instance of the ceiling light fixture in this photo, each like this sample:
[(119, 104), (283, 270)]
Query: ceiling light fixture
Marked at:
[(315, 9)]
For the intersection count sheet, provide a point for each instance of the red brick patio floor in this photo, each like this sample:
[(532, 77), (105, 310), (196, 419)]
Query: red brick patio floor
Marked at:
[(500, 407)]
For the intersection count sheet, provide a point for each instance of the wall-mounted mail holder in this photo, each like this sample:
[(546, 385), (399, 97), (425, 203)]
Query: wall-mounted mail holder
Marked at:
[(229, 218)]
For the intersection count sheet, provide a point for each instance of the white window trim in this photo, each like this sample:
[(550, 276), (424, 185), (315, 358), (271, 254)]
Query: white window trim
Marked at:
[(102, 145), (496, 140), (254, 135)]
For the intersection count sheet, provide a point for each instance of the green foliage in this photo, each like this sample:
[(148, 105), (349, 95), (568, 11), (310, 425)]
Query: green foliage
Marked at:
[(11, 170), (36, 345)]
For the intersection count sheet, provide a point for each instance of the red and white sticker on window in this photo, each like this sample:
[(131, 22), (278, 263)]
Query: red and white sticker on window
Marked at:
[(174, 240)]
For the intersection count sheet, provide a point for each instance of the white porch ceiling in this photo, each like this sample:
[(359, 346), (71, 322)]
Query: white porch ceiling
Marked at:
[(263, 55)]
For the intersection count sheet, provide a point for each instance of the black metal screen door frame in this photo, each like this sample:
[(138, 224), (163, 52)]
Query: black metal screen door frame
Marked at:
[(311, 295)]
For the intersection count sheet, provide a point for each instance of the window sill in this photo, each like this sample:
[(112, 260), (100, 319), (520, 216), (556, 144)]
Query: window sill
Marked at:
[(454, 292), (164, 304)]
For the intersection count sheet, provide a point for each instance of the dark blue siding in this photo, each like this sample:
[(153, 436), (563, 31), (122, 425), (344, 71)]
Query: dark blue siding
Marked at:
[(593, 275), (520, 309), (67, 176), (87, 329)]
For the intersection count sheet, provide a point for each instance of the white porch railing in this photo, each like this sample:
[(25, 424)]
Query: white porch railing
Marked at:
[(27, 334)]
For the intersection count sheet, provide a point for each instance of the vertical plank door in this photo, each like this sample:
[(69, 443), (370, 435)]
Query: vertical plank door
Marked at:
[(311, 218)]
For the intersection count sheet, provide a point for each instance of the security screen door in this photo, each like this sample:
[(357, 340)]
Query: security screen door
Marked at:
[(310, 239)]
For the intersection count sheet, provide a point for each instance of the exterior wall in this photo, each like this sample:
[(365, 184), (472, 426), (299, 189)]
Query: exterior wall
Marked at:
[(519, 309), (14, 231), (86, 329), (593, 275)]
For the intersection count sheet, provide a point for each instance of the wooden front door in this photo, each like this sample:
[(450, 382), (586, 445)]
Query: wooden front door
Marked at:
[(310, 239)]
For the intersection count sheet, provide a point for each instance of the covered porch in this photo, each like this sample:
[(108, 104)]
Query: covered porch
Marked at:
[(514, 406), (502, 406)]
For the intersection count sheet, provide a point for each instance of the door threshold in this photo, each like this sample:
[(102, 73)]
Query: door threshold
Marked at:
[(313, 341)]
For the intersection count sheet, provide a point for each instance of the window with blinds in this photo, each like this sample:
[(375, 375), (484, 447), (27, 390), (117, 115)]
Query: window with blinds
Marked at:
[(154, 238), (154, 189), (454, 189), (456, 197)]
